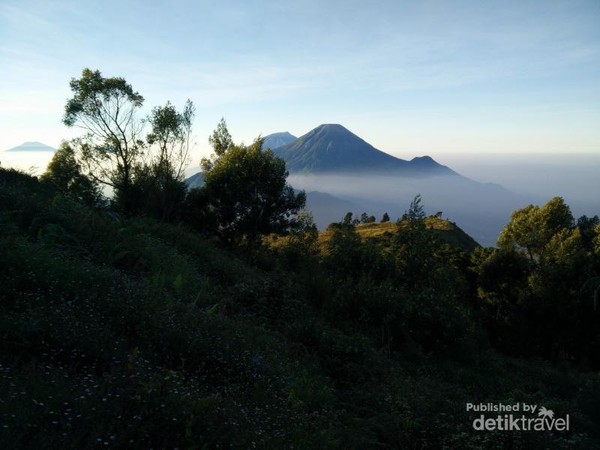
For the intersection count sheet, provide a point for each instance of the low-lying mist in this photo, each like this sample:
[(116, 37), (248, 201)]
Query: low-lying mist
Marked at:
[(480, 209), (480, 202), (575, 177), (477, 206)]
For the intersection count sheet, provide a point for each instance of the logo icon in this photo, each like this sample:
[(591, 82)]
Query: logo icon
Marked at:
[(546, 413)]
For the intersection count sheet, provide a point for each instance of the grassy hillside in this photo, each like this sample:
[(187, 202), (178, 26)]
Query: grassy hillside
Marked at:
[(448, 233), (121, 332)]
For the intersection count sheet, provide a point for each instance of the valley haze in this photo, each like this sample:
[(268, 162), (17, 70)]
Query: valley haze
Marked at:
[(330, 159), (478, 191), (343, 173)]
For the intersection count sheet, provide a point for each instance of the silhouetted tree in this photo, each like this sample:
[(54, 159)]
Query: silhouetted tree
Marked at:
[(170, 137), (347, 220), (551, 311), (159, 185), (107, 109), (416, 211), (221, 141), (247, 190), (588, 227), (64, 173)]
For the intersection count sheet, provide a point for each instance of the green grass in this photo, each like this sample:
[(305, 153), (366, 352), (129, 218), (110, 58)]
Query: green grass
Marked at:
[(448, 232)]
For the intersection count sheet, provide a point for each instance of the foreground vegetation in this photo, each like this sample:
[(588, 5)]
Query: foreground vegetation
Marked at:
[(130, 332), (163, 317)]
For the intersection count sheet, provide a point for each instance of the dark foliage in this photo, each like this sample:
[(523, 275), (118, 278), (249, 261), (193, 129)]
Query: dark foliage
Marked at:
[(247, 191), (131, 332)]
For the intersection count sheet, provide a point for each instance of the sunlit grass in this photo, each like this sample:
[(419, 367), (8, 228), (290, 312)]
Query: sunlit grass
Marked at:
[(447, 231)]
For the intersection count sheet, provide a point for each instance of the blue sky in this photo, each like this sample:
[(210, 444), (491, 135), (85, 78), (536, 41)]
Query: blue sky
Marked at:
[(410, 77)]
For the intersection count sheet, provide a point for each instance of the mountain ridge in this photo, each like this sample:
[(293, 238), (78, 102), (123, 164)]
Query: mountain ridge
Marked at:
[(334, 148)]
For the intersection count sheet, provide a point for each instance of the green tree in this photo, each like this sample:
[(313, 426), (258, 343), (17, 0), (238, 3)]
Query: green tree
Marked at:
[(306, 231), (301, 247), (221, 141), (171, 134), (501, 276), (416, 211), (385, 218), (159, 182), (64, 173), (551, 311), (422, 259), (347, 220), (587, 227), (531, 228), (344, 249), (249, 195), (110, 150), (502, 284), (198, 212), (414, 245)]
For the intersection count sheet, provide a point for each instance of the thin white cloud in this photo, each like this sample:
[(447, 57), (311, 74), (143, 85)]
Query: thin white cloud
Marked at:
[(337, 60), (240, 82)]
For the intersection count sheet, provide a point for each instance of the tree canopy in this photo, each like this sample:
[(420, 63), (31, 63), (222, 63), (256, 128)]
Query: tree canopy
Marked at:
[(107, 109), (64, 173), (146, 175), (247, 189), (221, 141), (170, 134), (534, 283), (532, 228)]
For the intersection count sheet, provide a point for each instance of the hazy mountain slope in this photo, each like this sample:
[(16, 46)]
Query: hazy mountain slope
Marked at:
[(327, 208), (480, 209), (195, 181)]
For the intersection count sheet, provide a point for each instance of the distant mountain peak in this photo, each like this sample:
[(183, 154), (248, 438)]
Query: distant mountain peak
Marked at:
[(331, 147), (332, 126), (279, 139), (32, 146), (195, 181)]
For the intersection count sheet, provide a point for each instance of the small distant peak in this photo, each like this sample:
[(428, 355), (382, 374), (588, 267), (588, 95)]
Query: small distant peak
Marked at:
[(32, 146), (424, 159), (282, 134), (278, 139)]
